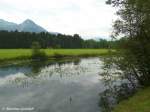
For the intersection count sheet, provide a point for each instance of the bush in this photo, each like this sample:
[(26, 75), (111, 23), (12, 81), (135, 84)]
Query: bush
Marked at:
[(37, 53)]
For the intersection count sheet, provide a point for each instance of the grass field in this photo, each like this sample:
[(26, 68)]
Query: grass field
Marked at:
[(138, 103), (6, 54)]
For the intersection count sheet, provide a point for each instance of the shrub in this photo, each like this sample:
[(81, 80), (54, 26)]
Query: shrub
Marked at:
[(37, 53)]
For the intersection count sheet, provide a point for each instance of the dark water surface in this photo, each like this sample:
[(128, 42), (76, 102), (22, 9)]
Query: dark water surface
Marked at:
[(71, 86)]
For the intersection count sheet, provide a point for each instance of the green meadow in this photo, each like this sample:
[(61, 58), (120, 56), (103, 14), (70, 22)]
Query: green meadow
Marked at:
[(8, 54)]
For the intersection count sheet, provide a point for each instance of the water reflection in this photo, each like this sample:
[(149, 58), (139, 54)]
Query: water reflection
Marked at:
[(118, 86), (38, 72), (79, 85), (70, 86), (34, 68)]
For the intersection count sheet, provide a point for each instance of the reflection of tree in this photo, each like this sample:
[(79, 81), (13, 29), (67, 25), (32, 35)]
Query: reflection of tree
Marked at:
[(36, 66), (76, 62), (110, 97), (117, 85)]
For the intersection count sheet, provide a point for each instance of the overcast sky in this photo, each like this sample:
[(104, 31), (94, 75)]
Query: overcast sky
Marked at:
[(89, 18)]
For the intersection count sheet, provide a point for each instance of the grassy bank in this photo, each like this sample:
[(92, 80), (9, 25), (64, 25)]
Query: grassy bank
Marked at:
[(138, 103), (10, 54)]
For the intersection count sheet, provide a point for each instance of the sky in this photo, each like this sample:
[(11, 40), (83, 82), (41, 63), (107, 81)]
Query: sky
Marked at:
[(88, 18)]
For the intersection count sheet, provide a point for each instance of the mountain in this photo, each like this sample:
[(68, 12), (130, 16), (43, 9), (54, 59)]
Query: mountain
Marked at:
[(9, 26), (27, 26), (30, 26)]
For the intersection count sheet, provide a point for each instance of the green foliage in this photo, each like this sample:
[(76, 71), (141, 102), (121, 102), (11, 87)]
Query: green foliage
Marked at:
[(35, 48), (134, 24), (37, 53), (25, 39), (46, 40), (138, 103)]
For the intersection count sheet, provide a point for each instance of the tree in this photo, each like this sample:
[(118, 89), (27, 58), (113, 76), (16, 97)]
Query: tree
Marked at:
[(37, 54), (134, 24), (46, 40)]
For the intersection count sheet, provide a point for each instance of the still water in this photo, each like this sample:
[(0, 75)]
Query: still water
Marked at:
[(69, 86)]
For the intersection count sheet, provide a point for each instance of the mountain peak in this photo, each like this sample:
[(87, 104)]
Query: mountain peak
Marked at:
[(28, 21), (26, 26), (30, 26)]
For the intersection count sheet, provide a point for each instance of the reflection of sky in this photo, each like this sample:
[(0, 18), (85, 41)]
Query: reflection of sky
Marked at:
[(13, 70), (80, 83)]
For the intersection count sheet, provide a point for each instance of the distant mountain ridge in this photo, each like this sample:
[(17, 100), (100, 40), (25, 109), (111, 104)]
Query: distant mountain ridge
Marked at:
[(9, 26), (26, 26)]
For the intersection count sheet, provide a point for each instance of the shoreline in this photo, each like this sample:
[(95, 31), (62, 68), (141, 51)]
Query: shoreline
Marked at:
[(140, 102)]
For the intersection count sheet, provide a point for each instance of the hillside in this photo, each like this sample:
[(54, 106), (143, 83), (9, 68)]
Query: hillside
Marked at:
[(26, 26)]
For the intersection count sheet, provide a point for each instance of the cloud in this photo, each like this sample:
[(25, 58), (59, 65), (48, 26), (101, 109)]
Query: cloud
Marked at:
[(89, 18)]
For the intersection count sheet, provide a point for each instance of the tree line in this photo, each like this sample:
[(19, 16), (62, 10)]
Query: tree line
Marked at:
[(46, 40)]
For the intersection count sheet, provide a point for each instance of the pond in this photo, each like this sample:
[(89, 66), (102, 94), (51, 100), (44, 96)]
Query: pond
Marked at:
[(68, 86)]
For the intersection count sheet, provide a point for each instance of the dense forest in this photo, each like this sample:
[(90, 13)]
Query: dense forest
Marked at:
[(46, 40)]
